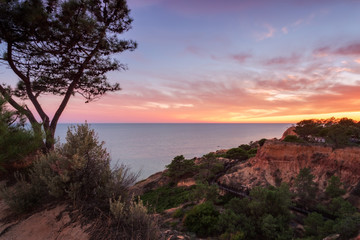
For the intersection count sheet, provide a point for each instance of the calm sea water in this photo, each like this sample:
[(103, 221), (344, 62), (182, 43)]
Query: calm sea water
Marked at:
[(149, 147)]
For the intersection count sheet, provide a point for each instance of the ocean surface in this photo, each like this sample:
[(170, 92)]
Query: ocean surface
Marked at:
[(148, 147)]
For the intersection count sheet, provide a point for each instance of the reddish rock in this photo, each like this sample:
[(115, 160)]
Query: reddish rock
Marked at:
[(279, 161), (289, 132)]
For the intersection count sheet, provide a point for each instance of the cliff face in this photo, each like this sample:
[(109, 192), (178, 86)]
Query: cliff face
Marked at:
[(278, 162)]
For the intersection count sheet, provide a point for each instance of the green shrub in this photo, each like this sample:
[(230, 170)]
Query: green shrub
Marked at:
[(210, 166), (305, 187), (202, 220), (293, 138), (265, 216), (205, 191), (181, 167), (335, 188), (252, 152), (23, 196), (262, 141), (131, 221), (237, 154), (16, 142), (167, 197), (80, 169), (179, 213), (245, 147)]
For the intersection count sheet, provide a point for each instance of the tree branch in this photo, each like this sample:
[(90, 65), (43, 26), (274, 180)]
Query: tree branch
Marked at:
[(27, 82), (71, 88), (17, 106)]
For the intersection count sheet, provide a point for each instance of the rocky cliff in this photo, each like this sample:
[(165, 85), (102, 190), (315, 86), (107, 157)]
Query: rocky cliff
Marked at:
[(277, 162)]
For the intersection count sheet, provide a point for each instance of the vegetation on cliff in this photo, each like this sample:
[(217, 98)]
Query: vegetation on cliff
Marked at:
[(267, 212), (338, 132)]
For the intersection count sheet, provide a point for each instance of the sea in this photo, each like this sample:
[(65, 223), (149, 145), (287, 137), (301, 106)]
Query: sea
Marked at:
[(148, 147)]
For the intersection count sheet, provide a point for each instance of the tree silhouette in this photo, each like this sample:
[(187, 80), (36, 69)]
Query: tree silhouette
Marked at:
[(62, 48)]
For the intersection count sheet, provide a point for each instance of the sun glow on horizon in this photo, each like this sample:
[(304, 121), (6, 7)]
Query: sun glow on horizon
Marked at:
[(229, 63)]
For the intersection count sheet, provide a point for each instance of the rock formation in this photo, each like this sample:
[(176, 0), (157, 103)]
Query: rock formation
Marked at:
[(277, 162), (289, 132)]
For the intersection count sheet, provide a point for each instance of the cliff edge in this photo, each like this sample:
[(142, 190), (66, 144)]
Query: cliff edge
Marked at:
[(277, 162)]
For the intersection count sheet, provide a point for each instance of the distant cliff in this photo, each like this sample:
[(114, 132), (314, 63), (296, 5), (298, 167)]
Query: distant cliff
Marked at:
[(277, 162)]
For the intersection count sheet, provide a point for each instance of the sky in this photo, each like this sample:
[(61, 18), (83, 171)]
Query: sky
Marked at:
[(231, 61)]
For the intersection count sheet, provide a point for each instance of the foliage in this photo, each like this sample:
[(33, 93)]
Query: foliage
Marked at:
[(292, 138), (334, 188), (205, 191), (202, 220), (16, 142), (318, 228), (346, 220), (265, 216), (181, 167), (209, 167), (80, 169), (262, 141), (237, 154), (62, 48), (131, 221), (337, 132), (245, 147), (305, 187), (23, 196), (252, 152), (166, 197)]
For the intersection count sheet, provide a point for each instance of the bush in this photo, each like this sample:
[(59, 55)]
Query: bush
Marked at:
[(245, 147), (293, 139), (131, 221), (265, 216), (305, 187), (167, 197), (335, 188), (262, 141), (252, 152), (23, 196), (16, 142), (202, 220), (80, 169), (210, 166), (180, 168), (237, 154), (205, 191)]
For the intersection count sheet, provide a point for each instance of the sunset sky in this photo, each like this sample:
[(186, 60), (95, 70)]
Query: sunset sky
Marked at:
[(232, 61)]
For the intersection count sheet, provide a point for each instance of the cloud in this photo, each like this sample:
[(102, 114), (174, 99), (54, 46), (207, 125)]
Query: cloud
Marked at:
[(238, 57), (285, 30), (351, 49), (195, 50), (269, 33), (348, 49), (241, 57), (293, 59)]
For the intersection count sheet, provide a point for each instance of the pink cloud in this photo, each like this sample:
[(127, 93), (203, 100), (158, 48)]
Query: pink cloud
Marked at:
[(349, 49), (269, 33), (238, 57), (194, 50), (293, 59), (241, 57)]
